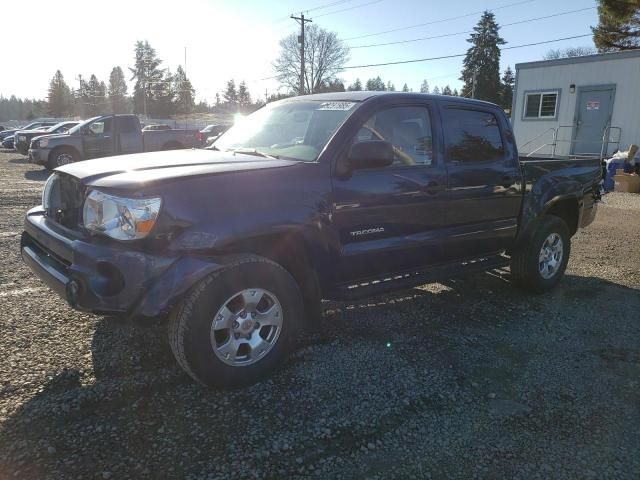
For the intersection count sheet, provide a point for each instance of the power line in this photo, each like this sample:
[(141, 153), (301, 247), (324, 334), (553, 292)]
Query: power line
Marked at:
[(461, 54), (327, 5), (349, 8), (313, 9), (438, 21), (470, 31)]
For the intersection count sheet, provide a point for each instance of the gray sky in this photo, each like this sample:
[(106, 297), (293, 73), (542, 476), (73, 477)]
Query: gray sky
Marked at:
[(239, 39)]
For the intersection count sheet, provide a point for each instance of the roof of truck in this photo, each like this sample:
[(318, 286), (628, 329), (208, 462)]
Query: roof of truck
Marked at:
[(361, 96)]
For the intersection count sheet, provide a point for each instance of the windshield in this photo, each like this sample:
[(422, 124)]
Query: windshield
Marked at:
[(293, 130), (78, 127)]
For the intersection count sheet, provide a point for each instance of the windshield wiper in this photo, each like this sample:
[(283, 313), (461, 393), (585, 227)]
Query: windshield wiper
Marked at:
[(252, 151)]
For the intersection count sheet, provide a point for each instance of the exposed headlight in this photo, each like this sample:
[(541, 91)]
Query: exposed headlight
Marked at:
[(43, 142), (48, 190), (119, 217)]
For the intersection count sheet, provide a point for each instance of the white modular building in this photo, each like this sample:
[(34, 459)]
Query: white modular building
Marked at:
[(580, 106)]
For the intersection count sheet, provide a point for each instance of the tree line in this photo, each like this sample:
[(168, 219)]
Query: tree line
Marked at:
[(160, 92), (156, 92)]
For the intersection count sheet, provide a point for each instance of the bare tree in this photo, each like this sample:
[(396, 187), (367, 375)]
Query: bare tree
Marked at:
[(325, 55), (554, 54)]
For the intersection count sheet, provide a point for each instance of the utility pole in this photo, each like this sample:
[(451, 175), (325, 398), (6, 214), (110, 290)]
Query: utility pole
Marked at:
[(301, 20)]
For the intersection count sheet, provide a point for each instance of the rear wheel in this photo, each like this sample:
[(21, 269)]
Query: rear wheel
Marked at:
[(237, 324), (60, 157), (540, 262)]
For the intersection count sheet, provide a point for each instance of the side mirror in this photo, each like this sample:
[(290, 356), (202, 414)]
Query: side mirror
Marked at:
[(370, 154)]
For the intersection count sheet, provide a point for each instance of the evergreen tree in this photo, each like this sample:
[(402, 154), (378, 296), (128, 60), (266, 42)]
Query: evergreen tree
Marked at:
[(447, 90), (93, 97), (217, 99), (117, 91), (483, 61), (355, 86), (618, 25), (334, 85), (391, 87), (508, 82), (244, 98), (436, 90), (163, 94), (405, 88), (59, 96), (424, 87), (184, 92), (375, 84), (231, 94), (147, 74), (455, 92)]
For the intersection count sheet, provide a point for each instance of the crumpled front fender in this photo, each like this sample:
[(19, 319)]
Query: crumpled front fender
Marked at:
[(173, 284)]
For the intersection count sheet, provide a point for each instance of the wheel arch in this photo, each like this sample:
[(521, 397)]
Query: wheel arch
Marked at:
[(58, 148), (566, 208), (287, 249)]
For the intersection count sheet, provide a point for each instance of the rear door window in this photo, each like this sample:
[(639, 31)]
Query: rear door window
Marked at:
[(472, 135)]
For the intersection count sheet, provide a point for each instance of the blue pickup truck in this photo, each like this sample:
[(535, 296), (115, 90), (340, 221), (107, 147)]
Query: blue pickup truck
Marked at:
[(330, 196)]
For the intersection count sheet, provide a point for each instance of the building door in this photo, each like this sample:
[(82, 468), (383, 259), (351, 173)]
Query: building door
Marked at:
[(593, 114)]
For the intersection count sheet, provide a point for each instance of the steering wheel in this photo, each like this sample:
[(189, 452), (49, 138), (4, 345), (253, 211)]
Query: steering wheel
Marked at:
[(403, 157)]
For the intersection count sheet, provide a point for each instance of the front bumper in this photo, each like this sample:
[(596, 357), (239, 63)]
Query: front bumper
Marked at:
[(106, 278), (38, 155)]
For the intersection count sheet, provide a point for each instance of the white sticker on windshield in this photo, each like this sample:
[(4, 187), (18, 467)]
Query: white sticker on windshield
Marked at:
[(336, 106)]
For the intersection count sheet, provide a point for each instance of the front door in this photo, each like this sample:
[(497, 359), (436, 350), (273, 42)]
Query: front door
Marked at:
[(593, 114), (389, 218), (99, 139)]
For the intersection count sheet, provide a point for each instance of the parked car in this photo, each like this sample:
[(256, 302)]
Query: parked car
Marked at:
[(159, 126), (327, 196), (212, 132), (23, 137), (108, 135), (8, 142), (33, 125)]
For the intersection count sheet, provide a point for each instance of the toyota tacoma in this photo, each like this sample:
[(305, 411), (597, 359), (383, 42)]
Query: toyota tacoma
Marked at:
[(328, 196)]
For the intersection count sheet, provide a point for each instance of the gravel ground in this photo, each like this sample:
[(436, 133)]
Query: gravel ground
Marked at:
[(462, 379)]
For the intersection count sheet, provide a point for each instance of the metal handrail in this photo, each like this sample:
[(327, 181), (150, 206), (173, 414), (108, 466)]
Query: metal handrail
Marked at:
[(606, 140), (536, 138)]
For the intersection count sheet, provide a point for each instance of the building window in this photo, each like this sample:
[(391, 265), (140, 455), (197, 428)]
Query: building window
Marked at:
[(540, 105)]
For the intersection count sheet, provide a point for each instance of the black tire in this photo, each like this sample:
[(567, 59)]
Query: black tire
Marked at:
[(525, 261), (61, 156), (190, 324)]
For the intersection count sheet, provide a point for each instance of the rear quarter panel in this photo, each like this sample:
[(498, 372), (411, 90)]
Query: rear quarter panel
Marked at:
[(548, 181)]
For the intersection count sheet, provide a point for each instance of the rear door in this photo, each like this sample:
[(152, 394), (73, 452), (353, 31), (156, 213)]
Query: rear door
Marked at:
[(389, 219), (129, 135), (484, 180)]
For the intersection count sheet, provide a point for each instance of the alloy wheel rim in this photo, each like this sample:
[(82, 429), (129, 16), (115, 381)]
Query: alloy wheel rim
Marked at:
[(64, 159), (247, 327), (550, 258)]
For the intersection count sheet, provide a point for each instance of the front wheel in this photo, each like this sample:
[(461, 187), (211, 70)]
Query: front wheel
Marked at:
[(237, 324), (539, 263), (60, 157)]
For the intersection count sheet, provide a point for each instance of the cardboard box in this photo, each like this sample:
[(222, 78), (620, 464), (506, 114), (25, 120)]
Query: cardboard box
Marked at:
[(627, 183)]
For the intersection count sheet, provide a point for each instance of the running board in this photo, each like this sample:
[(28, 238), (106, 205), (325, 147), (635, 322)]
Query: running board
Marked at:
[(411, 278)]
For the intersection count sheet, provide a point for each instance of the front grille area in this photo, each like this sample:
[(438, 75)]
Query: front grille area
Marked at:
[(64, 200)]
